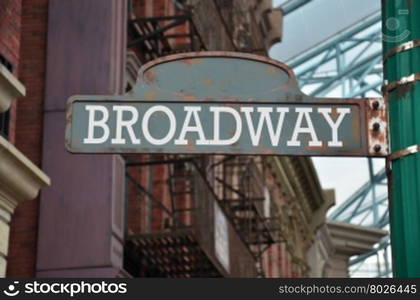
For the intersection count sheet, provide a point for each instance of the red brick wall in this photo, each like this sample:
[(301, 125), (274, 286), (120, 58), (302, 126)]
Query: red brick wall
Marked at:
[(10, 30), (28, 131)]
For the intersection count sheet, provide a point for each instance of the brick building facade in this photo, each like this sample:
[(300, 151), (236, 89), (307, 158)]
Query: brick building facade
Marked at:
[(21, 130), (79, 225)]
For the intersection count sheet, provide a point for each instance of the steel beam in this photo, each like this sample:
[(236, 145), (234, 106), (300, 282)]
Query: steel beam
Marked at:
[(339, 37), (364, 89), (292, 5), (347, 72), (381, 175)]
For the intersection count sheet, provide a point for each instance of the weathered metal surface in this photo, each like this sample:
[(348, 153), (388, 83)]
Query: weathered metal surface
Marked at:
[(222, 102), (377, 127)]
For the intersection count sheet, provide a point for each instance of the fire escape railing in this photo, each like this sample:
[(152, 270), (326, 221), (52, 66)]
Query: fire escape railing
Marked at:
[(246, 203), (170, 224), (158, 36), (169, 207)]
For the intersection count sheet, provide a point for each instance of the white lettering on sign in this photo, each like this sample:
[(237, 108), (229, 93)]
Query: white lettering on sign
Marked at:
[(198, 128), (265, 116), (128, 124), (216, 128), (93, 123), (172, 125), (252, 122), (304, 112), (334, 125)]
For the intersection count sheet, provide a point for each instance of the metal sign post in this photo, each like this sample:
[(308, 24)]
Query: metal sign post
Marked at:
[(224, 103), (401, 40)]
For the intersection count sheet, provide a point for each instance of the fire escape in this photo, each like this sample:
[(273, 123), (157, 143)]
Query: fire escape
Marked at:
[(160, 36), (170, 225), (242, 193), (162, 237)]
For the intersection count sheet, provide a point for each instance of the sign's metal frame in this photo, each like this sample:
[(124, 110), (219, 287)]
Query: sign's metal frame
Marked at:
[(373, 111)]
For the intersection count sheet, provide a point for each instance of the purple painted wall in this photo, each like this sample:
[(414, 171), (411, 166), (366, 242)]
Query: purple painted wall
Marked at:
[(81, 221)]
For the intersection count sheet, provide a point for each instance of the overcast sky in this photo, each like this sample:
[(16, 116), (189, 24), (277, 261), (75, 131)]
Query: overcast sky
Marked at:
[(345, 175)]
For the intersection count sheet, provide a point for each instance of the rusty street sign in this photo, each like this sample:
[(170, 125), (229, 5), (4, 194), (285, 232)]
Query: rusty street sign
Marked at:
[(231, 103)]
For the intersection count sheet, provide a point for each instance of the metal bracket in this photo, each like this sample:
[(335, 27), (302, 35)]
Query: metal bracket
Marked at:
[(377, 127), (404, 152), (401, 48), (386, 88)]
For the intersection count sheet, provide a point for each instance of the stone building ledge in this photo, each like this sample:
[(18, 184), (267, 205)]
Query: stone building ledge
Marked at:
[(10, 88), (20, 179), (349, 239)]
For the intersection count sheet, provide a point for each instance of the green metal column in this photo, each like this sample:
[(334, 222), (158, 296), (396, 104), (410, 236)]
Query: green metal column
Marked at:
[(401, 26)]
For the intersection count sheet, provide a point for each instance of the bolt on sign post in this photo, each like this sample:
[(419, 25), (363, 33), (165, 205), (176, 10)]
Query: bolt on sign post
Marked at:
[(224, 103), (401, 41)]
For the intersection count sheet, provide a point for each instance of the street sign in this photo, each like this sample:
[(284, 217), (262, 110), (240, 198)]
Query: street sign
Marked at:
[(226, 103)]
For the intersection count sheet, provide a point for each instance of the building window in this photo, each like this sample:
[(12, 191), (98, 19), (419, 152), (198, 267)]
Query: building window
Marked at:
[(5, 116), (4, 124), (6, 63)]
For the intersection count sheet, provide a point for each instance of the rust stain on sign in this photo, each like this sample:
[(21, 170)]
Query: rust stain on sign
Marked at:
[(271, 70), (189, 97), (207, 81), (150, 76), (149, 95), (191, 61)]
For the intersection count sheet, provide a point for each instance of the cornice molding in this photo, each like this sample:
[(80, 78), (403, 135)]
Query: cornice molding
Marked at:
[(349, 239), (20, 179), (10, 88)]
